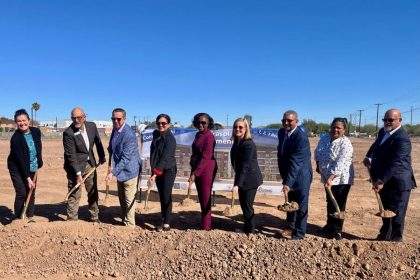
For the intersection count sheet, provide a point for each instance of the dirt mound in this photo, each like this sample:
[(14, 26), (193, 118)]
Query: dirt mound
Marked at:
[(77, 250)]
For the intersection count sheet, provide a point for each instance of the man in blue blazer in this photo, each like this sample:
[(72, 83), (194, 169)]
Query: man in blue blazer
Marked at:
[(389, 161), (294, 162), (124, 164)]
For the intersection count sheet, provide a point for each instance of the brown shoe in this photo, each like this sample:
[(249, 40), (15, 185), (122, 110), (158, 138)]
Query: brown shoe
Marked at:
[(285, 233)]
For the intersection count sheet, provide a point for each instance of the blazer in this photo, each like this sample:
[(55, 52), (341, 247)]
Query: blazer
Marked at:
[(391, 161), (125, 155), (75, 152), (294, 161), (162, 151), (202, 157), (18, 159), (243, 157)]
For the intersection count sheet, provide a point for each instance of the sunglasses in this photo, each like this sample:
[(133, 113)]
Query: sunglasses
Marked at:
[(389, 120), (238, 126), (286, 120), (116, 119), (161, 123), (202, 123), (77, 118)]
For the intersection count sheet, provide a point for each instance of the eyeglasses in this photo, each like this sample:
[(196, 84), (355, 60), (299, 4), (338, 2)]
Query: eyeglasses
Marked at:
[(116, 119), (238, 126), (77, 118), (287, 120), (389, 120), (161, 123)]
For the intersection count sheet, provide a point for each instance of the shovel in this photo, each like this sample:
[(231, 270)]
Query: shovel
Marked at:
[(78, 184), (230, 210), (28, 198), (146, 202), (338, 215), (188, 201), (288, 206), (387, 214)]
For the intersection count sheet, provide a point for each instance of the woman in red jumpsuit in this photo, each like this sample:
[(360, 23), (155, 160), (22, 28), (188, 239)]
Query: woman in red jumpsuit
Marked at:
[(203, 164)]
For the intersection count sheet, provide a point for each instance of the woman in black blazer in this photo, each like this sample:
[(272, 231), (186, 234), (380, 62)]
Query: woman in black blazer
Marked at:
[(163, 165), (248, 177), (24, 160)]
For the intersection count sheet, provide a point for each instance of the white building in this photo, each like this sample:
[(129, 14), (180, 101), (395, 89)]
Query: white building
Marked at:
[(66, 123)]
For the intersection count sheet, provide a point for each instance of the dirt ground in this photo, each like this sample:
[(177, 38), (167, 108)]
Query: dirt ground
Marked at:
[(52, 248)]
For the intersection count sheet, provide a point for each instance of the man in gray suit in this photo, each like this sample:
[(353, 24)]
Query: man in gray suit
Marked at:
[(78, 141), (124, 164)]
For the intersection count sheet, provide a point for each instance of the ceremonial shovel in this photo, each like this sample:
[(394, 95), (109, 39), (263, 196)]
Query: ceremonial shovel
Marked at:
[(78, 184), (382, 212), (288, 206), (28, 198), (338, 215), (146, 202), (187, 201)]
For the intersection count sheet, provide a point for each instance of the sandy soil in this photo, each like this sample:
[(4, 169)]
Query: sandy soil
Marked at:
[(52, 248)]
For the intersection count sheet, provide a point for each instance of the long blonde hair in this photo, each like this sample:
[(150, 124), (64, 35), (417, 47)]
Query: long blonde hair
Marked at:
[(247, 135)]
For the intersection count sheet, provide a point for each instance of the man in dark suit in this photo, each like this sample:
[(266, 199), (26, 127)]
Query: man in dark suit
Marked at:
[(78, 141), (294, 162), (389, 161), (124, 163)]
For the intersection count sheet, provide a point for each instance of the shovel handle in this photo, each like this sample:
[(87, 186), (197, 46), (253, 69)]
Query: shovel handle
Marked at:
[(333, 199), (189, 189), (286, 197), (233, 200), (381, 206), (378, 198), (28, 198), (78, 184), (107, 190)]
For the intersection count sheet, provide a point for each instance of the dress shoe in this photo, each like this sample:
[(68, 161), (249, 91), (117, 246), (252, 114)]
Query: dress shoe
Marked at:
[(286, 233), (338, 236), (161, 228), (95, 220)]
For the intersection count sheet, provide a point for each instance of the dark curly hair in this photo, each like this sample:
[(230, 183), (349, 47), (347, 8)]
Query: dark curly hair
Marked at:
[(197, 116)]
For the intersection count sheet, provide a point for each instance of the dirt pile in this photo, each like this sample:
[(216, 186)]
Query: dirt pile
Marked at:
[(76, 250)]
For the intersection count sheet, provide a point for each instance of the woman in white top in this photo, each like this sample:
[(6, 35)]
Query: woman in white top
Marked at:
[(333, 157)]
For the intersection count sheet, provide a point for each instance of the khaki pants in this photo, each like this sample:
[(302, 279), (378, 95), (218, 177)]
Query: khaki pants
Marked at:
[(91, 186), (127, 193)]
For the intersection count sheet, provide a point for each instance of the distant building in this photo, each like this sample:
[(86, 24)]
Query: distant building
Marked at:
[(62, 124)]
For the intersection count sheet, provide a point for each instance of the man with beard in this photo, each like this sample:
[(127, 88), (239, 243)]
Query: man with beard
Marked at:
[(389, 163)]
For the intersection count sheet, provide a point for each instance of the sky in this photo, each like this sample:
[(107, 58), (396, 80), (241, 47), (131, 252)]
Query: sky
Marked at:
[(225, 57)]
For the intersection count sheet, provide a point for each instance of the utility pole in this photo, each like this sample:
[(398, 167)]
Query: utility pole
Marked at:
[(360, 119), (411, 116), (349, 129), (135, 124), (377, 118)]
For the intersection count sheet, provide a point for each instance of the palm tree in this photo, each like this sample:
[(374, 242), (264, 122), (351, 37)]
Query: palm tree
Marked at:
[(35, 106)]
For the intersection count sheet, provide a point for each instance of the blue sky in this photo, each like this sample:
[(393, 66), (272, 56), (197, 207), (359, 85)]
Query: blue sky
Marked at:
[(227, 58)]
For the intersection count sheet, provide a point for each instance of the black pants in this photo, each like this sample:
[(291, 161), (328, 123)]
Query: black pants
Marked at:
[(22, 190), (165, 183), (340, 193), (397, 201), (246, 199)]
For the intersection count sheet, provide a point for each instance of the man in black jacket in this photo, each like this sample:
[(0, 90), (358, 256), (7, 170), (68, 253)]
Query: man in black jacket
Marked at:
[(78, 140)]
